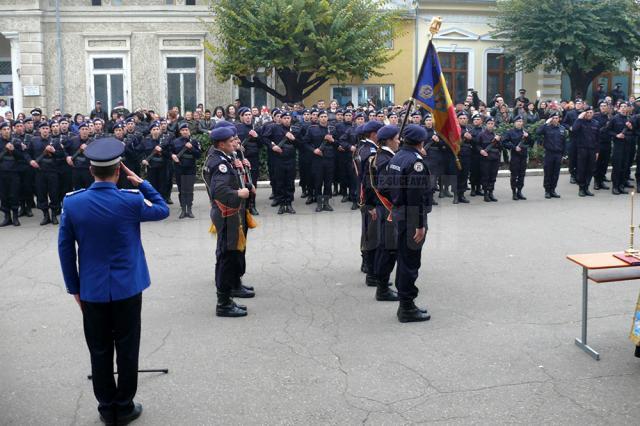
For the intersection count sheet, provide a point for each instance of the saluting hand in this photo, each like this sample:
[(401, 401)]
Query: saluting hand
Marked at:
[(132, 177)]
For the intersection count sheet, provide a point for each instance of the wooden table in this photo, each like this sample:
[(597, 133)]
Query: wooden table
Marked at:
[(599, 268)]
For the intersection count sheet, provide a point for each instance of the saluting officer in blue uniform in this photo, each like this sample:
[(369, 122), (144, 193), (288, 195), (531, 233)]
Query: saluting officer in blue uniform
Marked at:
[(111, 274), (408, 185)]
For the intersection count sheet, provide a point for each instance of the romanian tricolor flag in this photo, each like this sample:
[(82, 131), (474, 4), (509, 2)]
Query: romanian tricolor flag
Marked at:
[(431, 92)]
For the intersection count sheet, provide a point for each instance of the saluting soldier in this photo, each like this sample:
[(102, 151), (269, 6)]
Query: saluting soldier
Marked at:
[(250, 143), (80, 175), (553, 141), (11, 154), (386, 251), (517, 141), (410, 192), (604, 149), (229, 217), (185, 152), (489, 147), (44, 152), (586, 130)]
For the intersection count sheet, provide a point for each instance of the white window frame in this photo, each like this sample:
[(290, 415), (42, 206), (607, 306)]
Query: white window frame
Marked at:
[(471, 62), (181, 71), (200, 77), (126, 80)]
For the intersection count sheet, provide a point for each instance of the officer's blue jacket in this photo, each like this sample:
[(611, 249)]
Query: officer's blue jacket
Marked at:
[(104, 221)]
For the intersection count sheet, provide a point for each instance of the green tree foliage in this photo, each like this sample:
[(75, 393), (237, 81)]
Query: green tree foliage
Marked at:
[(583, 38), (306, 42)]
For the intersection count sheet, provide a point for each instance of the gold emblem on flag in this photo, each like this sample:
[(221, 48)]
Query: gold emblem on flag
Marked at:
[(426, 91)]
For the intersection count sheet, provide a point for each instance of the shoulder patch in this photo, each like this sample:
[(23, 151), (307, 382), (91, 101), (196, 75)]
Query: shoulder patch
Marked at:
[(133, 191), (148, 203), (223, 168), (418, 166), (395, 167), (69, 194)]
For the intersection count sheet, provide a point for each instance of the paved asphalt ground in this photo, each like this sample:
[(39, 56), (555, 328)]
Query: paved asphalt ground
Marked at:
[(317, 348)]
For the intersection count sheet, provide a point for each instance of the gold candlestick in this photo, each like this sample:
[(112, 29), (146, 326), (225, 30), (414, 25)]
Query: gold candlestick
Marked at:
[(631, 251)]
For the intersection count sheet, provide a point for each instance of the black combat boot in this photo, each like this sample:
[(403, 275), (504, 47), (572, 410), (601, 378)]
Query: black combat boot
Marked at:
[(7, 220), (310, 200), (183, 213), (462, 198), (354, 205), (275, 202), (15, 222), (384, 293), (515, 195), (581, 192), (409, 312), (252, 208), (486, 196), (189, 213), (604, 186), (520, 196), (226, 307), (371, 280), (554, 194), (282, 209), (319, 207), (345, 199), (364, 268), (455, 198), (572, 180), (547, 195), (622, 189), (473, 191), (637, 352), (491, 197), (597, 186), (587, 192), (242, 292), (326, 206), (54, 217), (290, 209), (46, 219)]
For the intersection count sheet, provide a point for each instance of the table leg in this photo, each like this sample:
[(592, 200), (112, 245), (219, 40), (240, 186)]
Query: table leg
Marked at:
[(582, 343)]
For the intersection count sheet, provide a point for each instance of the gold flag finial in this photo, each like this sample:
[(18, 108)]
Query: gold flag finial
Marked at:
[(436, 23)]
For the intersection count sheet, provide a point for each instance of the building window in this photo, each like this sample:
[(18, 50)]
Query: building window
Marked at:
[(455, 68), (96, 2), (182, 85), (622, 75), (378, 95), (252, 96), (108, 79), (190, 2), (501, 77)]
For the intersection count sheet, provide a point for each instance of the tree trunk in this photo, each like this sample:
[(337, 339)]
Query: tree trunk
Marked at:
[(579, 84)]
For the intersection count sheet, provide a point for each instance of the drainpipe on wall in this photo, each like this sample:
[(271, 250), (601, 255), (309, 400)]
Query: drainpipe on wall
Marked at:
[(59, 57)]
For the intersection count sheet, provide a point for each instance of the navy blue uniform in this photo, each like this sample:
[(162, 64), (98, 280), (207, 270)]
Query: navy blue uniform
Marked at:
[(251, 149), (80, 174), (466, 149), (604, 148), (585, 134), (474, 173), (408, 186), (367, 202), (570, 117), (322, 166), (490, 164), (27, 173), (284, 164), (553, 142), (158, 161), (512, 139), (623, 149), (10, 175), (185, 168), (386, 252), (109, 272), (48, 174), (347, 141)]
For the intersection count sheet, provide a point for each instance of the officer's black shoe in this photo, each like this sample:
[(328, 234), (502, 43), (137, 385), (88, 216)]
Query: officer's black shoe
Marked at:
[(354, 205), (363, 267), (520, 196), (441, 194), (310, 200), (473, 191), (515, 195), (254, 211), (230, 310), (319, 206), (486, 197), (54, 218), (492, 198), (606, 180), (615, 191), (386, 294), (282, 209), (596, 186), (587, 192), (447, 193), (247, 287), (189, 213), (272, 196), (125, 419), (15, 222), (462, 198), (371, 280), (623, 190), (345, 199), (22, 212), (581, 192), (183, 213), (242, 293), (326, 206), (572, 180), (554, 194), (290, 209), (7, 220), (604, 186), (455, 199), (409, 312), (547, 195), (275, 203), (28, 212), (46, 219), (629, 184), (637, 352), (478, 191)]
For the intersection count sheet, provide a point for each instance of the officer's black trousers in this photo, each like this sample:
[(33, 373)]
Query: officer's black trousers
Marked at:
[(630, 158), (585, 166), (573, 156), (386, 252), (48, 190), (185, 181), (157, 177), (552, 161), (81, 178), (229, 269), (489, 173), (107, 326), (304, 165), (27, 186), (604, 156), (518, 169), (169, 182), (618, 163), (255, 169), (409, 254), (347, 175), (65, 180), (285, 176), (322, 170), (368, 237), (9, 190), (474, 175), (463, 174)]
